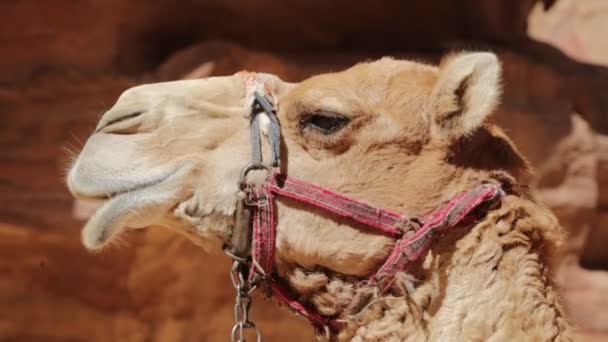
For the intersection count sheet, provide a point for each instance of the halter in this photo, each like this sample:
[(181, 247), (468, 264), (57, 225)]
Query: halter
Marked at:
[(252, 245)]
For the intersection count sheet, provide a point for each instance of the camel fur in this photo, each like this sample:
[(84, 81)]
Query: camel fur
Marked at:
[(411, 137)]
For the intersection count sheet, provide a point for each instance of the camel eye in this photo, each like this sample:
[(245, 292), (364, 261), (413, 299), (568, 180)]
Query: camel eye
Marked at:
[(325, 122)]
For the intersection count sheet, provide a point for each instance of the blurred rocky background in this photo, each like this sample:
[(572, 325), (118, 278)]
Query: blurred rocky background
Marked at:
[(63, 62)]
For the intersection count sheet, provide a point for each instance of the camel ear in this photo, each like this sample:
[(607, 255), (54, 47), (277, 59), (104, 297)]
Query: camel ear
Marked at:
[(466, 93)]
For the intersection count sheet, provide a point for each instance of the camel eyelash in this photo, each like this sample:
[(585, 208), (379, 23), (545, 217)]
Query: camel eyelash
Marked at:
[(325, 122)]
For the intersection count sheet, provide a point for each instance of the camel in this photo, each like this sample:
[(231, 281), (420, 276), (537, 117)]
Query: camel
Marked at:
[(401, 135), (565, 154)]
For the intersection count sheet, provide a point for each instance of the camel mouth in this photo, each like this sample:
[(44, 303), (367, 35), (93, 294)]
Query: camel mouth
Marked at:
[(88, 204), (104, 196), (90, 188), (138, 206)]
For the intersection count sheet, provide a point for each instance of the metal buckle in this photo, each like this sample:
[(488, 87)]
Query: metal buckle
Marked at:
[(261, 201), (242, 183), (247, 189)]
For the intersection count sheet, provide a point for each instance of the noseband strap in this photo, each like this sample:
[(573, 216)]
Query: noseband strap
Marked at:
[(413, 235)]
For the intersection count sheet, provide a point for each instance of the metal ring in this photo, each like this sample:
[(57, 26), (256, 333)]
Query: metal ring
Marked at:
[(251, 167), (233, 333), (240, 327)]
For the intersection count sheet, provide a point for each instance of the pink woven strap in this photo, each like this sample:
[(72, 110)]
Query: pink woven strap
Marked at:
[(406, 250), (410, 248), (295, 305), (338, 204), (264, 232)]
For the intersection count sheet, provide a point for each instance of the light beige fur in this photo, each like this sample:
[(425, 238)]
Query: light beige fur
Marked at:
[(170, 154)]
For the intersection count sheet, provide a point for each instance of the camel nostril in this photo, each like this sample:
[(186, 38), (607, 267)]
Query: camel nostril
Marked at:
[(120, 119)]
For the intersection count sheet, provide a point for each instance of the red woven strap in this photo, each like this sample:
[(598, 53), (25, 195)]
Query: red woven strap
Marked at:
[(407, 249), (264, 232), (298, 307), (338, 204), (410, 248)]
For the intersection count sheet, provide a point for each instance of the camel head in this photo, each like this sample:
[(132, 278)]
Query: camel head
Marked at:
[(396, 134)]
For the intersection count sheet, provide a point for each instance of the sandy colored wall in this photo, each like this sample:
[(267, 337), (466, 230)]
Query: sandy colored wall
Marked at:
[(65, 62)]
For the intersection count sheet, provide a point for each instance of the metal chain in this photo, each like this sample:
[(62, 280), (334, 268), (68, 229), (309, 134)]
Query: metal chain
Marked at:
[(242, 303), (239, 271)]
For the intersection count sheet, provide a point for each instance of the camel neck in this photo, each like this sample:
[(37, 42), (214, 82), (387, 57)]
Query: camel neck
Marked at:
[(488, 282)]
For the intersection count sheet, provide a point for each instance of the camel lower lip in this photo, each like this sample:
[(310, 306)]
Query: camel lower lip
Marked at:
[(97, 201), (86, 206), (136, 208)]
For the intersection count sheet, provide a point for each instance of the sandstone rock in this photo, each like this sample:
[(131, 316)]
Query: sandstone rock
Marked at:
[(577, 27), (158, 287), (100, 36)]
